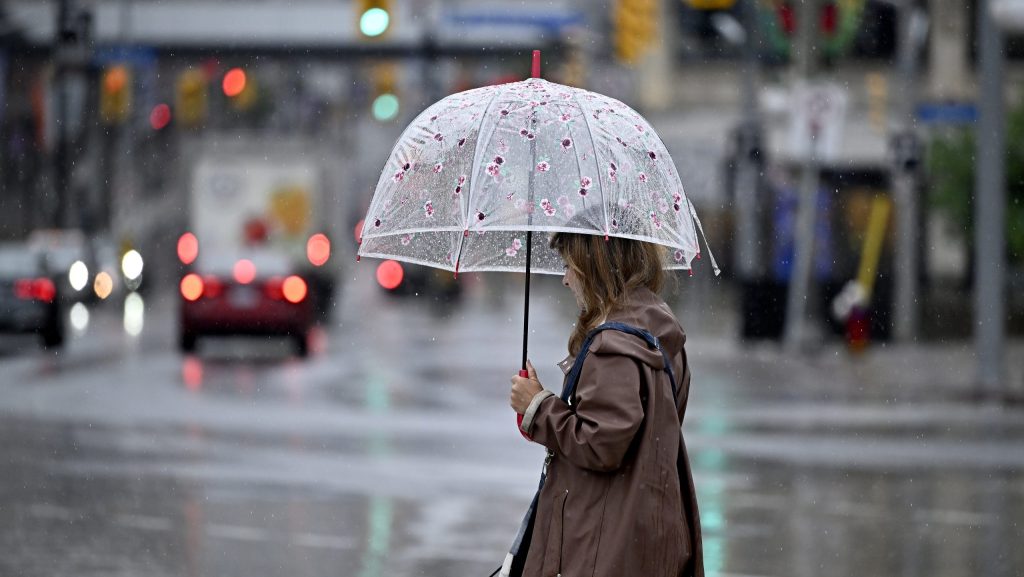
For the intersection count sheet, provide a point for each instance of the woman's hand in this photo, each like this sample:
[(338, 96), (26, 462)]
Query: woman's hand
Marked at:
[(523, 389)]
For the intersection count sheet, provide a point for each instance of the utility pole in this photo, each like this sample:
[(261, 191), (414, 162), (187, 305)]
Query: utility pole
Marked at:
[(800, 285), (990, 195), (747, 181), (906, 153), (65, 37), (655, 72), (71, 55)]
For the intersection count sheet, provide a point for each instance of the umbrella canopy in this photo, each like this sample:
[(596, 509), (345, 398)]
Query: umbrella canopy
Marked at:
[(479, 169)]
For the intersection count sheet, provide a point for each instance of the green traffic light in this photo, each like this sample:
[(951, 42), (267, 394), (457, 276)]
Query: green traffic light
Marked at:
[(374, 22), (385, 107)]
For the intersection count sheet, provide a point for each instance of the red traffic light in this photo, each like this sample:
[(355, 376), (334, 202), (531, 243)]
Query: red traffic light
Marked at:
[(234, 82), (160, 116)]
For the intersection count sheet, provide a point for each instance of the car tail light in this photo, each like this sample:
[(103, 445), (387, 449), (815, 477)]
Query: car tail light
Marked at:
[(294, 289), (318, 249), (274, 288), (188, 248), (245, 271), (390, 274), (40, 289), (192, 287), (213, 287)]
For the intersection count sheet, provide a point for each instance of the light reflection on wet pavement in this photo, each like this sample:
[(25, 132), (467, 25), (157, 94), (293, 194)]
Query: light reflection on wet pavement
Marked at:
[(391, 452)]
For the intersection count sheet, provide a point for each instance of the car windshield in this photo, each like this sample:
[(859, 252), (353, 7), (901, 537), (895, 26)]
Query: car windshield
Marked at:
[(16, 261)]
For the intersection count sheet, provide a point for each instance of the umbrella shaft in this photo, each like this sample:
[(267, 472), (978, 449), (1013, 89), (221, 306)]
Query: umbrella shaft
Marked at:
[(526, 312)]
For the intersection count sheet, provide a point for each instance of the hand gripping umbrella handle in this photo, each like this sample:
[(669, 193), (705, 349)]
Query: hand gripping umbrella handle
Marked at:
[(519, 416)]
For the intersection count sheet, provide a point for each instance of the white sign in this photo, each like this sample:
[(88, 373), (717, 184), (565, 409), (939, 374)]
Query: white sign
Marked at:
[(1008, 14), (817, 120)]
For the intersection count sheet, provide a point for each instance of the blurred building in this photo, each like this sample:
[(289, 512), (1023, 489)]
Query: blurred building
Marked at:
[(101, 98)]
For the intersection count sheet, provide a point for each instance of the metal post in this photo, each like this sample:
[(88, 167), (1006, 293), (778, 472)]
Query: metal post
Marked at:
[(61, 158), (655, 71), (990, 195), (800, 285), (904, 177), (749, 260)]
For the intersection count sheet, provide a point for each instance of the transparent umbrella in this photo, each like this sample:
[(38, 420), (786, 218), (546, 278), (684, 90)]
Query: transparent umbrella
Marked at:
[(477, 173)]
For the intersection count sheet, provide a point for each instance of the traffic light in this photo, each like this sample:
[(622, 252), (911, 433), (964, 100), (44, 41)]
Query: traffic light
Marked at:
[(116, 94), (878, 101), (160, 116), (373, 17), (234, 82), (385, 99), (191, 98), (240, 89), (635, 28)]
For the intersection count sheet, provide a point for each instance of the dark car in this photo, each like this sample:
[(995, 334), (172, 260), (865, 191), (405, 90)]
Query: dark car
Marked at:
[(257, 295), (29, 300)]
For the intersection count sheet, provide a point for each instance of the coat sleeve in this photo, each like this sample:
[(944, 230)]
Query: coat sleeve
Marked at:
[(598, 433)]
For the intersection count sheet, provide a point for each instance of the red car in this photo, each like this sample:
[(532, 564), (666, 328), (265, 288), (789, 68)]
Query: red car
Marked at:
[(256, 295)]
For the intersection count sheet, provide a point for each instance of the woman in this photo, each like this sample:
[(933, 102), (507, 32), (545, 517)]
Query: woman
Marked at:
[(618, 500)]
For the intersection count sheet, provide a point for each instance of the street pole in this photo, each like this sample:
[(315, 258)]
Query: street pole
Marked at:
[(655, 72), (61, 158), (905, 149), (747, 182), (800, 286), (990, 195)]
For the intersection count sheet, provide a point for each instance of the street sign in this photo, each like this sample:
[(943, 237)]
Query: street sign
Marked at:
[(550, 20), (817, 121), (957, 113), (1008, 15), (131, 55)]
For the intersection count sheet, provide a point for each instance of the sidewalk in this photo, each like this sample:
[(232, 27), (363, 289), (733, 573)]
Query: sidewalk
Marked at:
[(885, 371)]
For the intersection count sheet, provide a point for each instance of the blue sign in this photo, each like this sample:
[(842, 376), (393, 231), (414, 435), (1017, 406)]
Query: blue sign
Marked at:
[(552, 21), (133, 55), (947, 113)]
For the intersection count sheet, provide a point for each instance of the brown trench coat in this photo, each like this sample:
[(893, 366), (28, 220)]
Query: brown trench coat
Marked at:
[(619, 499)]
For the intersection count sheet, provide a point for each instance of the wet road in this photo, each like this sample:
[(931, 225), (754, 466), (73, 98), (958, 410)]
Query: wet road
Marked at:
[(391, 451)]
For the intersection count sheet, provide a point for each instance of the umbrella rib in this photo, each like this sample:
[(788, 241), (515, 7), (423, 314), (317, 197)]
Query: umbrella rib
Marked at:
[(714, 265), (475, 169), (593, 145)]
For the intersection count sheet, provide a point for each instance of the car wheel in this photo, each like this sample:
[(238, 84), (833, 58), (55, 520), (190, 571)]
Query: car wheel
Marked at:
[(53, 337), (302, 345), (188, 342)]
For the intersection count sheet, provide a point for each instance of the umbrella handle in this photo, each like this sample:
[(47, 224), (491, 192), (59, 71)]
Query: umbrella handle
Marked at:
[(519, 416)]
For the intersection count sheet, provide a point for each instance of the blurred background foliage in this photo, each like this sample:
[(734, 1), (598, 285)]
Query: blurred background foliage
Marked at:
[(951, 161)]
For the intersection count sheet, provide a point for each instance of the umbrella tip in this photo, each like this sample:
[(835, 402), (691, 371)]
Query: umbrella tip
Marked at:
[(358, 258)]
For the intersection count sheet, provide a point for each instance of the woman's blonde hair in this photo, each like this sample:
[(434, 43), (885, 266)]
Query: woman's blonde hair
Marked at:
[(607, 271)]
